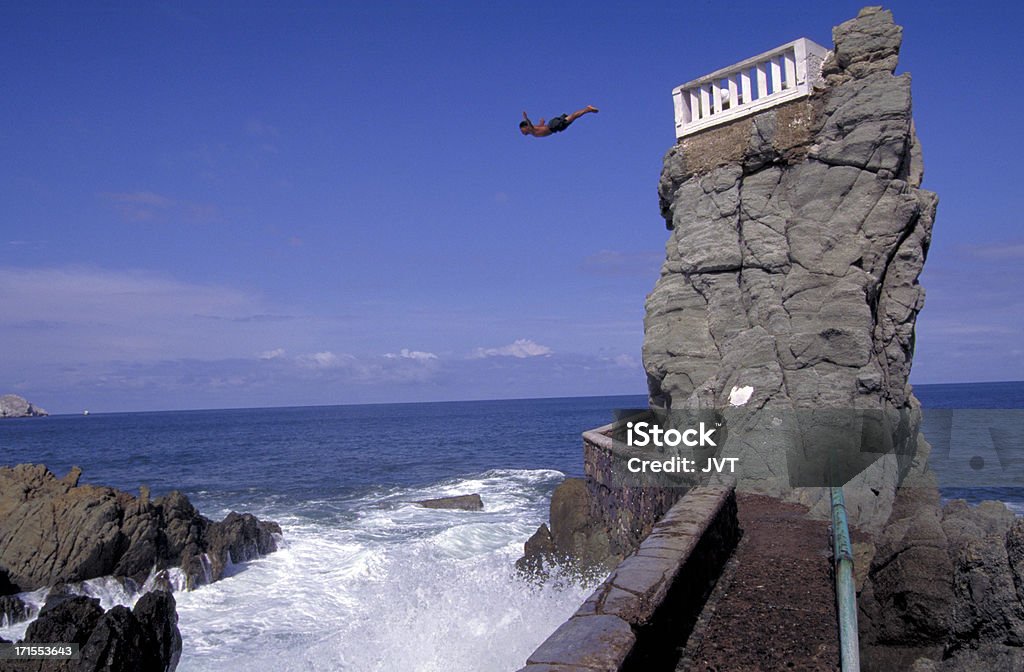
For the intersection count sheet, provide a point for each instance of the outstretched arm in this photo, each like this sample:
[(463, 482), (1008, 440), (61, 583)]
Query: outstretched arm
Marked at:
[(527, 119)]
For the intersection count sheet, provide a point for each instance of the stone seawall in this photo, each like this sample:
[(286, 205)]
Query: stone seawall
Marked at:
[(644, 610), (627, 510)]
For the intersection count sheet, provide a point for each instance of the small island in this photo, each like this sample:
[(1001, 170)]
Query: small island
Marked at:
[(13, 406)]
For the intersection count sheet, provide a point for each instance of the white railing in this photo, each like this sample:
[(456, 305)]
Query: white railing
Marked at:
[(782, 74)]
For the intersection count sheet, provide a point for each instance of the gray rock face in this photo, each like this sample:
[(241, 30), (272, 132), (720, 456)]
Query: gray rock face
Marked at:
[(13, 406), (869, 43), (54, 530), (462, 502), (793, 266)]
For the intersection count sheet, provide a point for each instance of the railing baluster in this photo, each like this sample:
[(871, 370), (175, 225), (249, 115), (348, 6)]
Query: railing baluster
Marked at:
[(780, 75), (790, 65)]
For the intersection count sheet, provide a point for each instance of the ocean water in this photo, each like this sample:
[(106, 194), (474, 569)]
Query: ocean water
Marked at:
[(977, 435), (365, 579)]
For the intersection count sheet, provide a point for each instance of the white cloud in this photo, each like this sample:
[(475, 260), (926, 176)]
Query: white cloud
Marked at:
[(79, 314), (521, 349), (321, 360), (272, 354), (406, 353)]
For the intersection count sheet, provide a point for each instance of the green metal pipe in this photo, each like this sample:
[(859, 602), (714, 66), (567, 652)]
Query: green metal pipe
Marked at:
[(846, 594)]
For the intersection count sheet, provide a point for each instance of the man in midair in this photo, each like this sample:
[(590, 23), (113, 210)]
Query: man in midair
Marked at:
[(556, 125)]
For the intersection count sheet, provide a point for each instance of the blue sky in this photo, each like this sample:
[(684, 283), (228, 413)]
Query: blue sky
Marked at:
[(247, 204)]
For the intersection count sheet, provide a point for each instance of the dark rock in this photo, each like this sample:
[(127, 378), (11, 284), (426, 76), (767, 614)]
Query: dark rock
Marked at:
[(55, 530), (71, 620), (158, 620), (145, 638), (570, 519), (114, 644), (912, 582), (60, 593), (538, 552), (6, 587), (13, 406), (577, 539), (944, 589), (12, 610), (461, 502)]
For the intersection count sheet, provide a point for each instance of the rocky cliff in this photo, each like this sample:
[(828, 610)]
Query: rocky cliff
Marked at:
[(797, 238), (13, 406), (55, 531)]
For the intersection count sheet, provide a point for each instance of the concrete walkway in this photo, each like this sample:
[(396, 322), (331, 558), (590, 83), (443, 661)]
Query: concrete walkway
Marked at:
[(774, 607)]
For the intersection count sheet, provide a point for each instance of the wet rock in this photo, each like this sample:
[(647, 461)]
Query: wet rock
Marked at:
[(461, 502), (576, 539), (155, 612), (537, 551), (55, 530), (12, 610), (119, 640), (68, 621)]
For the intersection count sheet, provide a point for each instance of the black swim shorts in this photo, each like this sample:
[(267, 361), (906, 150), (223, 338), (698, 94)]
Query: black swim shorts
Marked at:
[(559, 123)]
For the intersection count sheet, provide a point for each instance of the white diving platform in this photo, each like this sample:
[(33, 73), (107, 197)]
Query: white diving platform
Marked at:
[(763, 81)]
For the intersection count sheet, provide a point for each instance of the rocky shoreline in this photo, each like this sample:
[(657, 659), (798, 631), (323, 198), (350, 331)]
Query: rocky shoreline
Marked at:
[(56, 534)]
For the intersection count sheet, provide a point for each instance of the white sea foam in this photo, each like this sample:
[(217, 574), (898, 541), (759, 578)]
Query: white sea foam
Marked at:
[(399, 588), (381, 584)]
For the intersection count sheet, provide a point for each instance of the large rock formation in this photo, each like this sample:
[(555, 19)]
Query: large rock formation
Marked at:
[(55, 530), (13, 406), (120, 640), (798, 235)]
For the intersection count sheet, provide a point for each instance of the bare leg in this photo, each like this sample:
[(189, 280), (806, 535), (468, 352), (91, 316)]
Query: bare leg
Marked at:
[(579, 113)]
